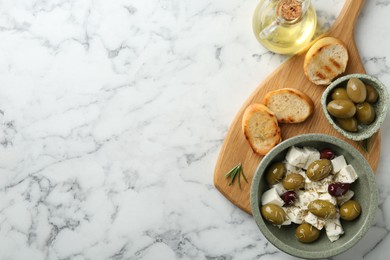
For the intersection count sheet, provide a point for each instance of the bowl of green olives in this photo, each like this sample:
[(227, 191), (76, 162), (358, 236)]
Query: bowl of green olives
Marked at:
[(356, 105), (287, 237)]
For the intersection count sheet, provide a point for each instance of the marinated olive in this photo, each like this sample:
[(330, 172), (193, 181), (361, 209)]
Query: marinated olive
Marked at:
[(348, 124), (319, 169), (356, 90), (350, 210), (273, 213), (306, 233), (289, 198), (341, 108), (365, 113), (292, 181), (338, 189), (372, 94), (327, 154), (340, 93), (275, 173), (322, 208)]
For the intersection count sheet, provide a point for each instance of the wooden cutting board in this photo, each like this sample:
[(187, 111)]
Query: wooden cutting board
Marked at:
[(236, 149)]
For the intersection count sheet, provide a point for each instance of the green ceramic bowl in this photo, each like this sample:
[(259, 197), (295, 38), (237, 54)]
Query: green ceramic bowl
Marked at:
[(381, 106), (365, 193)]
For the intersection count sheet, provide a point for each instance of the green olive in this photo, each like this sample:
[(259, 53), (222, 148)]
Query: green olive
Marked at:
[(292, 181), (341, 108), (306, 233), (319, 169), (372, 94), (349, 124), (273, 213), (365, 113), (275, 173), (340, 93), (322, 208), (350, 210), (356, 90)]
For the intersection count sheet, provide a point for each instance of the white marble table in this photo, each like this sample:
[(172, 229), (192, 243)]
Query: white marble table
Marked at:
[(112, 117)]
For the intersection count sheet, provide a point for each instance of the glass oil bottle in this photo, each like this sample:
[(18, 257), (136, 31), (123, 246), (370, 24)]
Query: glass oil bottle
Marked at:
[(284, 26)]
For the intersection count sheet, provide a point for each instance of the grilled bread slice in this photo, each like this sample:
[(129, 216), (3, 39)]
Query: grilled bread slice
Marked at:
[(289, 105), (260, 128), (325, 60)]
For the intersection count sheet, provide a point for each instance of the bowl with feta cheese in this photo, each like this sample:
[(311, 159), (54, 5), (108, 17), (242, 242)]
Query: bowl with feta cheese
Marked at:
[(314, 196)]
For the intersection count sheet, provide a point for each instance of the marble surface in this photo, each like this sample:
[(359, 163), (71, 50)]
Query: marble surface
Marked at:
[(112, 115)]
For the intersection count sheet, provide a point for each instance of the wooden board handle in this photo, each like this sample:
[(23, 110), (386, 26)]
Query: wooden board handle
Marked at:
[(345, 22), (343, 28)]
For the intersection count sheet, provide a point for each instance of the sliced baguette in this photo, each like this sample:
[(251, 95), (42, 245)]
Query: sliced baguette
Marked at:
[(260, 128), (289, 105), (325, 60)]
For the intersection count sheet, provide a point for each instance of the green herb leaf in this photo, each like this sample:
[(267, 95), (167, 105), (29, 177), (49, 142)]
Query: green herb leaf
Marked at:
[(243, 175), (233, 176), (233, 173)]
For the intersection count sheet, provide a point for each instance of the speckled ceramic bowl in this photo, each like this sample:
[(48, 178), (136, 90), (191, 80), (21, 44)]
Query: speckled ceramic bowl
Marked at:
[(381, 106), (365, 193)]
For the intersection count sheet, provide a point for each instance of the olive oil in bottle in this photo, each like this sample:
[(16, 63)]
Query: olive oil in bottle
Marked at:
[(284, 26)]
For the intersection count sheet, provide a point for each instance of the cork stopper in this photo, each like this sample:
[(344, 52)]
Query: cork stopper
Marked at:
[(289, 10)]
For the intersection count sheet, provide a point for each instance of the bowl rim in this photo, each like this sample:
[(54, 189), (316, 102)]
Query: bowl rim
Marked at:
[(374, 127), (255, 200)]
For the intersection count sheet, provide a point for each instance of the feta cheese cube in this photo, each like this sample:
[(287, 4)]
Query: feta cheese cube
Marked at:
[(295, 214), (328, 197), (333, 238), (271, 197), (297, 202), (303, 174), (344, 198), (319, 186), (346, 175), (312, 155), (333, 228), (313, 186), (291, 168), (315, 221), (306, 197), (279, 188), (285, 223), (338, 163), (296, 156), (307, 180)]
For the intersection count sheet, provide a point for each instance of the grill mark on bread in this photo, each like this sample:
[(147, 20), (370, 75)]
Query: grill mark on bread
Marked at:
[(320, 75), (335, 63), (328, 69), (326, 59)]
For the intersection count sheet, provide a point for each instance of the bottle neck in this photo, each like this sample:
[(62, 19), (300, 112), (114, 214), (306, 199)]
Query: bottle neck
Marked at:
[(291, 11)]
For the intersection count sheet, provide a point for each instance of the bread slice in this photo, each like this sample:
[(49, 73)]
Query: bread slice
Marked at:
[(260, 128), (289, 105), (325, 60)]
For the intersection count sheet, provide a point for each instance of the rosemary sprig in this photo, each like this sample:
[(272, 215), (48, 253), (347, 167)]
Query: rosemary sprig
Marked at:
[(233, 173)]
